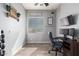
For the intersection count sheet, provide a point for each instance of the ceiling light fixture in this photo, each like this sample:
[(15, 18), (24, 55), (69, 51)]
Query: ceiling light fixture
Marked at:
[(42, 4)]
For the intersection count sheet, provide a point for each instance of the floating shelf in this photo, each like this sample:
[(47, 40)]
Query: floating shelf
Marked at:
[(12, 12)]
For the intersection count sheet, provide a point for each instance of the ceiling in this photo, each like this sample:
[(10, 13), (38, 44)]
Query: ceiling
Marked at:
[(31, 6)]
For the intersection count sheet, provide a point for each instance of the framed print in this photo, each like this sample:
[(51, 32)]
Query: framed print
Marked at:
[(50, 21)]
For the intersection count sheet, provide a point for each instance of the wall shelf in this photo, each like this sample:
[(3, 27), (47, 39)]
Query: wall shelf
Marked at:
[(12, 12), (11, 15)]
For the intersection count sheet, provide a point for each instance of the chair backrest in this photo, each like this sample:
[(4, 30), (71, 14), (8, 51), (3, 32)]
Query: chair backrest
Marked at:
[(51, 37)]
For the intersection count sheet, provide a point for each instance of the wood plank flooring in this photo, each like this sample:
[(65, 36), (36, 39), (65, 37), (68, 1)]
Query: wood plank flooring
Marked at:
[(36, 49)]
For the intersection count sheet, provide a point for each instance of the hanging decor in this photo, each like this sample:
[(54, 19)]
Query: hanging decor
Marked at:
[(12, 12)]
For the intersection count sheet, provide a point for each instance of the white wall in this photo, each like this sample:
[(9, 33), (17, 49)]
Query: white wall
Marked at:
[(14, 30), (42, 37), (63, 11)]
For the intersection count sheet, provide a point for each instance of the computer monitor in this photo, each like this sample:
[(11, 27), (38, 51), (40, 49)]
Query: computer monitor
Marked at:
[(72, 32), (77, 33), (64, 31)]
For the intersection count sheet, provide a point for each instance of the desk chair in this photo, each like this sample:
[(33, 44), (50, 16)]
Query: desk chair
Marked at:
[(56, 44)]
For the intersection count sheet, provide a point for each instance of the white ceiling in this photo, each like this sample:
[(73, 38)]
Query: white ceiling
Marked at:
[(31, 6)]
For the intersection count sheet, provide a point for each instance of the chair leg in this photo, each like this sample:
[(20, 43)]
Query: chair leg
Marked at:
[(49, 51), (52, 49), (56, 52)]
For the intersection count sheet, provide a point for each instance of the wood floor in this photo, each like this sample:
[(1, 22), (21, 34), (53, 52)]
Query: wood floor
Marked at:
[(40, 49)]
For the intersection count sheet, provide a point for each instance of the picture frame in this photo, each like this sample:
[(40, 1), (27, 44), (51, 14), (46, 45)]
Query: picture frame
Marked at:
[(50, 20)]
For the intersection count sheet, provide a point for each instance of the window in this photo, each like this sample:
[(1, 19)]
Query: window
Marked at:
[(35, 25)]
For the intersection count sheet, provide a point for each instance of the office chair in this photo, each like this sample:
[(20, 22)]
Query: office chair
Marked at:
[(56, 44)]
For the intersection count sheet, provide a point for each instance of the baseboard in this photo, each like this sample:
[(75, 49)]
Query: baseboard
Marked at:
[(13, 53), (38, 42)]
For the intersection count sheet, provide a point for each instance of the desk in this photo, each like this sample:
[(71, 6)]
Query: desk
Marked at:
[(70, 46)]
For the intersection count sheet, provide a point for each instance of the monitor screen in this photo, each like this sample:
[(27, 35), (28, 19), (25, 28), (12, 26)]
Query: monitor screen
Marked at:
[(77, 33), (72, 32), (64, 31)]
